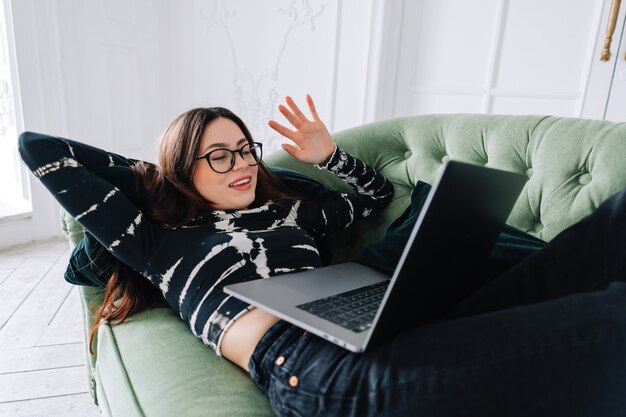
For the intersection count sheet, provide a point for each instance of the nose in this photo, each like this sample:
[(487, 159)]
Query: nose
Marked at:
[(240, 162)]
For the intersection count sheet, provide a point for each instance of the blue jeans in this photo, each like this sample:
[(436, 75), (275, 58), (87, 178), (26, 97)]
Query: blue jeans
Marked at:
[(545, 338)]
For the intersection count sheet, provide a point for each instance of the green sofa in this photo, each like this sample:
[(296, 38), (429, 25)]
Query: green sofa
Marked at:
[(153, 366)]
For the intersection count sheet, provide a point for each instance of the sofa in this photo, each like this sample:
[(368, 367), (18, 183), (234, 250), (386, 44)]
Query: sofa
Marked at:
[(152, 365)]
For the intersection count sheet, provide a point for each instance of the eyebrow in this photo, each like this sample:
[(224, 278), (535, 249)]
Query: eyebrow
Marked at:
[(223, 145)]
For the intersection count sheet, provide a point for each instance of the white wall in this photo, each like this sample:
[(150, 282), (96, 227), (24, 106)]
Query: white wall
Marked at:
[(248, 55), (113, 73), (497, 56), (128, 67), (131, 66)]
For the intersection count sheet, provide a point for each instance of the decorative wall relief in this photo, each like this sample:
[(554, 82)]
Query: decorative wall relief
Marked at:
[(257, 63)]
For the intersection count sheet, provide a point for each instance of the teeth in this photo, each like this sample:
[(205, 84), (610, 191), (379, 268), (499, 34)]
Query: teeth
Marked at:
[(242, 182)]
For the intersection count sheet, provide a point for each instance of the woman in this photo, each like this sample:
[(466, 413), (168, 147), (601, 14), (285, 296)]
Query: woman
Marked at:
[(215, 215)]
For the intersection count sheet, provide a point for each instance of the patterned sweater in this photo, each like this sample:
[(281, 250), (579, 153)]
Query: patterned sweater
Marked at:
[(191, 264)]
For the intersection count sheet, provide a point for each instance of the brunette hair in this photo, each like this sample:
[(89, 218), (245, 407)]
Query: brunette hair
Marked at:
[(172, 200)]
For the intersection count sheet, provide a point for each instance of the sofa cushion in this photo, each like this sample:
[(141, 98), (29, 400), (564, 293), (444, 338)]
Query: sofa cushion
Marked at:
[(572, 164), (152, 365)]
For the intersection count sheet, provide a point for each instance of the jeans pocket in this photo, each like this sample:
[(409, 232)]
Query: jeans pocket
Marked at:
[(285, 394), (285, 400)]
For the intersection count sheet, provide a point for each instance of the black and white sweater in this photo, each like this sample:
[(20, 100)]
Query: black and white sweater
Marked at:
[(191, 264)]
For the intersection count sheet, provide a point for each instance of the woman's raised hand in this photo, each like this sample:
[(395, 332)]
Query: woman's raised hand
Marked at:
[(313, 141)]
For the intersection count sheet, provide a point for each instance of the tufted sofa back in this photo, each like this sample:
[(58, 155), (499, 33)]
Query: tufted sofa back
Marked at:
[(572, 165)]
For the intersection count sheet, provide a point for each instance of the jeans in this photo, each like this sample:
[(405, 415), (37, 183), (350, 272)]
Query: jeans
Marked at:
[(545, 338)]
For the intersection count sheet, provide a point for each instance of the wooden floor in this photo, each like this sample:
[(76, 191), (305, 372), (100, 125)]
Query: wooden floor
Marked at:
[(42, 363)]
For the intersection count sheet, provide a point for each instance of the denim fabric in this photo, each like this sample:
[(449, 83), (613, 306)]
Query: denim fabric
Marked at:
[(561, 358), (546, 338), (587, 256)]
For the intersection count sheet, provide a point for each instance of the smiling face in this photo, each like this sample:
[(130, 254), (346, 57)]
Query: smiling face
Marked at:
[(235, 189)]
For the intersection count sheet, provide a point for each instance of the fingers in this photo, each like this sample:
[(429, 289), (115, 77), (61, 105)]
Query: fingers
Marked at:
[(295, 116), (295, 109), (295, 122), (291, 150), (312, 109), (286, 132)]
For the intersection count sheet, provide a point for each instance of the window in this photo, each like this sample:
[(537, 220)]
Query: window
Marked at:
[(14, 195)]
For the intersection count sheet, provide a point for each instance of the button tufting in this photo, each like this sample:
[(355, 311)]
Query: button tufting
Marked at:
[(407, 154), (529, 172), (584, 179), (445, 159), (293, 381), (280, 360)]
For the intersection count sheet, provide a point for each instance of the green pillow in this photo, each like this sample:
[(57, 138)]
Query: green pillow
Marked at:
[(90, 263)]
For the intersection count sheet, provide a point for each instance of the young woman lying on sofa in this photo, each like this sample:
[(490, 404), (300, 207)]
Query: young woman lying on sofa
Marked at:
[(213, 214)]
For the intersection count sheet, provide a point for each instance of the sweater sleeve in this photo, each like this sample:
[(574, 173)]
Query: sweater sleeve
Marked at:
[(68, 170), (334, 210)]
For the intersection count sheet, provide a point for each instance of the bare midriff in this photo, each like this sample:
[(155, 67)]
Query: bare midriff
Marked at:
[(240, 339)]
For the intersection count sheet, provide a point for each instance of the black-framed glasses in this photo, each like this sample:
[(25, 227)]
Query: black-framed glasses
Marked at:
[(222, 160)]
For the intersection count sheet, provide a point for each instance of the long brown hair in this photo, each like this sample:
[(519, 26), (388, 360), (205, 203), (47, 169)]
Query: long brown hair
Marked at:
[(173, 200)]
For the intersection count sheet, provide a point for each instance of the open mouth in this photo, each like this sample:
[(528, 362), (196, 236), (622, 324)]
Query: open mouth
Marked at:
[(241, 183)]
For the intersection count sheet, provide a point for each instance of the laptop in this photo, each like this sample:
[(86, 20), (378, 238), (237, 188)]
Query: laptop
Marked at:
[(357, 307)]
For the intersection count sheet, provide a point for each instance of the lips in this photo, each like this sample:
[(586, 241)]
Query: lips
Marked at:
[(242, 183)]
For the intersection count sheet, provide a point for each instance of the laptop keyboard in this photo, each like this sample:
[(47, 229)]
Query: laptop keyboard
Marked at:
[(353, 310)]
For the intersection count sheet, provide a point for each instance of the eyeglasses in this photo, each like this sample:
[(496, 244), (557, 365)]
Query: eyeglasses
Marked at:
[(222, 160)]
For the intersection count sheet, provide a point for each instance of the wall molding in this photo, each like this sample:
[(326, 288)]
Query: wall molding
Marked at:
[(256, 93)]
